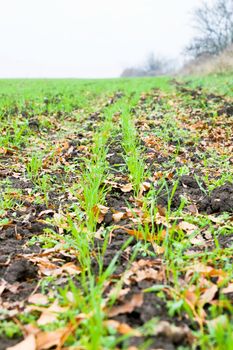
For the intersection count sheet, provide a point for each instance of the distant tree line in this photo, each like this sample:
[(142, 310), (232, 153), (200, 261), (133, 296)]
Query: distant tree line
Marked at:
[(152, 67), (214, 39), (214, 24)]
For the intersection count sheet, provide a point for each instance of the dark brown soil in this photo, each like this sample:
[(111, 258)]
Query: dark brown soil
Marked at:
[(220, 200), (153, 307), (187, 187), (226, 109), (13, 267), (6, 342), (226, 241), (19, 272)]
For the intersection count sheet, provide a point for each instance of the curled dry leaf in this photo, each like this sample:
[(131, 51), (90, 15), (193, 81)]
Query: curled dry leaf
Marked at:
[(128, 307), (100, 211), (161, 210), (136, 213), (127, 187), (118, 216), (145, 186), (113, 184), (208, 295), (99, 232), (13, 288), (148, 273), (161, 219)]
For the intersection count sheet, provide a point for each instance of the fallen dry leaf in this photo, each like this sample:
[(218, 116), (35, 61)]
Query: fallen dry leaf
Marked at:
[(6, 151), (45, 340), (48, 315), (176, 334), (100, 211), (29, 343), (127, 187), (122, 328), (158, 249), (49, 269), (198, 240), (118, 293), (216, 220), (208, 295), (60, 221), (192, 209), (144, 269), (205, 270), (187, 227), (71, 268), (228, 289), (118, 216), (136, 301), (191, 296), (161, 210), (218, 321), (145, 186), (3, 285), (45, 212), (140, 235), (38, 298)]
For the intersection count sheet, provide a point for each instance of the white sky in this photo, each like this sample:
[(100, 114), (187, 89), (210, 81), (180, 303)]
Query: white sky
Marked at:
[(89, 38)]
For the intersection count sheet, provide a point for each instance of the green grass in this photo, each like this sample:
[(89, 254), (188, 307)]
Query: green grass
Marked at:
[(57, 138)]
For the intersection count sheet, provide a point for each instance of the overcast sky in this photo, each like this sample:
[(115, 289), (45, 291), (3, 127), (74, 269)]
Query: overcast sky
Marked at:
[(89, 38)]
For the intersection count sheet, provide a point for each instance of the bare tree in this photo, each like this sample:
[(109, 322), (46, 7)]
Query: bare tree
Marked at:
[(154, 66), (215, 28)]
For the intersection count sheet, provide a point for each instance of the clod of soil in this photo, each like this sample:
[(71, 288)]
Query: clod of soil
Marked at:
[(227, 109), (154, 307), (220, 200), (19, 271), (187, 187)]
